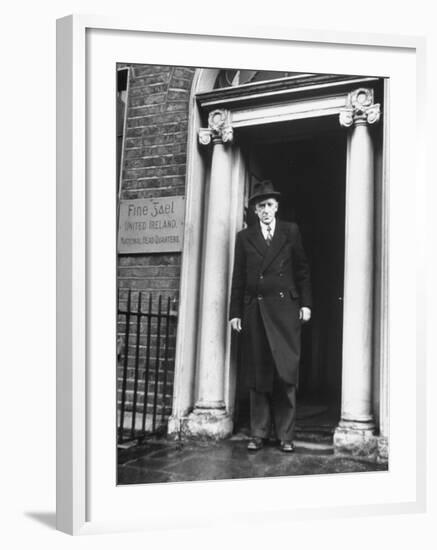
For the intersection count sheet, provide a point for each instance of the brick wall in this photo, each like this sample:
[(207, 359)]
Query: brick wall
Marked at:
[(154, 165)]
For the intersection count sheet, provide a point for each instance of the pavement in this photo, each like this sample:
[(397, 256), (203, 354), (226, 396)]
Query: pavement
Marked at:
[(159, 460)]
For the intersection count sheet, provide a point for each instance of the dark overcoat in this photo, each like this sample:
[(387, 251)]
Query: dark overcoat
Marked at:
[(269, 286)]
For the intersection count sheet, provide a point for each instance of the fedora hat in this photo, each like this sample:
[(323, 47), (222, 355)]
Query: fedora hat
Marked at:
[(263, 190)]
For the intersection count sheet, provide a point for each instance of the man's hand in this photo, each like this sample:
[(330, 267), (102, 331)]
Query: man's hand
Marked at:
[(236, 324), (304, 314)]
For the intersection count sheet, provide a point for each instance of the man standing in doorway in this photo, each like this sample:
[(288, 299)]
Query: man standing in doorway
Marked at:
[(270, 299)]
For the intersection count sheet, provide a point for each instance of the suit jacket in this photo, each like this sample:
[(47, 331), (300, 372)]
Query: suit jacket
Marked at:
[(269, 285)]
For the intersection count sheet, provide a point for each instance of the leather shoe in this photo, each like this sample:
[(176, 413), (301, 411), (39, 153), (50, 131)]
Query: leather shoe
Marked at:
[(287, 446), (255, 444)]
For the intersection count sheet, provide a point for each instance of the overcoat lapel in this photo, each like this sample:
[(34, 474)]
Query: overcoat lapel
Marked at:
[(278, 241), (257, 240)]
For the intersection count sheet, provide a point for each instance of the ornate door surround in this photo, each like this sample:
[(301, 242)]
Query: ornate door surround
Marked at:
[(205, 371)]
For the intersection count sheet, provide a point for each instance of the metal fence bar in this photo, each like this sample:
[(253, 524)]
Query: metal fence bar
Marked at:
[(158, 349), (126, 353), (137, 360), (147, 364), (148, 408), (164, 383)]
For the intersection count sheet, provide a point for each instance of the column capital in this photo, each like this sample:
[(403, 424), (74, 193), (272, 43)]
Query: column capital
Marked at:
[(219, 128), (360, 108)]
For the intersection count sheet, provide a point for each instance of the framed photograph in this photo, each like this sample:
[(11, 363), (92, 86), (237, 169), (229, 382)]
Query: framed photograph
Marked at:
[(232, 275)]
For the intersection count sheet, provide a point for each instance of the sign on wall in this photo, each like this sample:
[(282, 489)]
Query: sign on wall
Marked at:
[(151, 225)]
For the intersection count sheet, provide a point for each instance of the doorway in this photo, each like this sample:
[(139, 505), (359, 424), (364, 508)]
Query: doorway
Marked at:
[(310, 173)]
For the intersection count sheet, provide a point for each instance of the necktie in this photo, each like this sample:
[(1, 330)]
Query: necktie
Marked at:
[(269, 235)]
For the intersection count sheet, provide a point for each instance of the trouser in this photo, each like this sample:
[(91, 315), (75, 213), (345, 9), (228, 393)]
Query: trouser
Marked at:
[(279, 404)]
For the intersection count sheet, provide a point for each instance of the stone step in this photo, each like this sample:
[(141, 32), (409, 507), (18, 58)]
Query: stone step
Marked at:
[(314, 436)]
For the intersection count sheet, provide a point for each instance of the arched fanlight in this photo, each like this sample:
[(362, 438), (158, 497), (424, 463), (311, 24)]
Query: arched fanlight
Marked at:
[(235, 77)]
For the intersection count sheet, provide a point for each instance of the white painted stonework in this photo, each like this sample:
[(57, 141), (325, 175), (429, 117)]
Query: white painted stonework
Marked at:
[(356, 427), (205, 369)]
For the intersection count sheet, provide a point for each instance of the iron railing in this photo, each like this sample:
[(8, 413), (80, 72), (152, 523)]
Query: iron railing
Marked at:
[(144, 366)]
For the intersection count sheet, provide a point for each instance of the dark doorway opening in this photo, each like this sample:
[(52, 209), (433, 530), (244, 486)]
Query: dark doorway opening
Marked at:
[(310, 173)]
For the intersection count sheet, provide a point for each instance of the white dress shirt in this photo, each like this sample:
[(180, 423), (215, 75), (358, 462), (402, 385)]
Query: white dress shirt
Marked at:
[(264, 228)]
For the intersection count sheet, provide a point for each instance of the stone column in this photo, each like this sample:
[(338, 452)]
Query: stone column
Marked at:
[(355, 433), (209, 418)]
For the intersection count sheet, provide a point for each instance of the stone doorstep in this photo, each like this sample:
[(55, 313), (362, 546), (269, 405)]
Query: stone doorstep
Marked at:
[(314, 446), (304, 449), (314, 436), (128, 444), (315, 443), (302, 434), (307, 437), (311, 447)]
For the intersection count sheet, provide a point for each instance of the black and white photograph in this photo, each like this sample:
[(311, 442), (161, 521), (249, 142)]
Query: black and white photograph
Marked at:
[(218, 297), (251, 276)]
